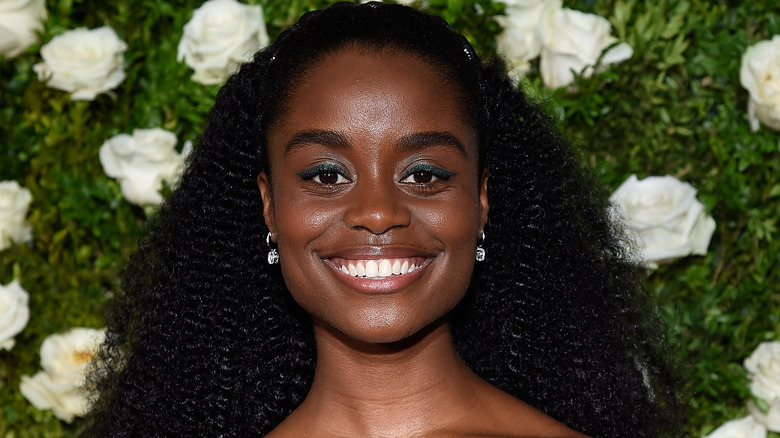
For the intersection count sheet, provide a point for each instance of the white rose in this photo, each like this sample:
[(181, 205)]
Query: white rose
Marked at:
[(140, 162), (14, 313), (665, 218), (746, 427), (83, 62), (222, 35), (14, 202), (19, 20), (763, 368), (771, 418), (66, 401), (65, 356), (573, 42), (64, 359), (760, 75), (520, 41)]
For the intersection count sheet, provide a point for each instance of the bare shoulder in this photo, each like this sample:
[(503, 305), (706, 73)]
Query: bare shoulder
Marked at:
[(501, 415), (291, 427)]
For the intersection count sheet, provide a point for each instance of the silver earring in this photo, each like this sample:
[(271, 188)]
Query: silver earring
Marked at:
[(273, 256), (480, 250)]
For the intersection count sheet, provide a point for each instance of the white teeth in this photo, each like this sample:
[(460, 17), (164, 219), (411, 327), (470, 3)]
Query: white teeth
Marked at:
[(385, 268), (372, 269), (377, 269)]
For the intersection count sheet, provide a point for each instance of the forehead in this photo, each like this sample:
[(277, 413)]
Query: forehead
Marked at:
[(357, 89)]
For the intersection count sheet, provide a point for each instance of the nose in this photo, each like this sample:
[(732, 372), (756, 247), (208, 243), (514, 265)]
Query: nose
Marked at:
[(377, 208)]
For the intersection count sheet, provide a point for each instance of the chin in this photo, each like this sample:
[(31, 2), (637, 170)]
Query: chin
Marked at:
[(388, 330)]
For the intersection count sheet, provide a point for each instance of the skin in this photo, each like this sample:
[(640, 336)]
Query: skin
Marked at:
[(372, 160)]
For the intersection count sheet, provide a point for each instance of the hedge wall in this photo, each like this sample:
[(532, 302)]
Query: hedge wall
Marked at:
[(676, 107)]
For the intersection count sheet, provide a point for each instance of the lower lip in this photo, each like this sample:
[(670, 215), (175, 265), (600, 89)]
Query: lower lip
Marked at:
[(387, 285)]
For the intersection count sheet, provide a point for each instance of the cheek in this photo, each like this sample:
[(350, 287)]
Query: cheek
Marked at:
[(300, 220), (453, 221), (455, 225)]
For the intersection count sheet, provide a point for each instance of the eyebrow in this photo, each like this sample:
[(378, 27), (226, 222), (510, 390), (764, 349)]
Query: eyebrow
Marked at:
[(323, 137), (407, 143), (421, 140)]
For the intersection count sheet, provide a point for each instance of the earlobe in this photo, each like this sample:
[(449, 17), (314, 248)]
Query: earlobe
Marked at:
[(264, 184), (484, 206)]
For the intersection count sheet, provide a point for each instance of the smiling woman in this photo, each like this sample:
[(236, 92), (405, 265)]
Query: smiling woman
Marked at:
[(372, 149), (374, 166)]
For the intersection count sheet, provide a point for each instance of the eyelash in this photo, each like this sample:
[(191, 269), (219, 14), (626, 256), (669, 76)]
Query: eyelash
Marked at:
[(319, 170), (436, 172)]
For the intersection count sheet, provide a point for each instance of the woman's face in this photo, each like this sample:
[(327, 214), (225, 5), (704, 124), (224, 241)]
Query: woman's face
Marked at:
[(374, 197)]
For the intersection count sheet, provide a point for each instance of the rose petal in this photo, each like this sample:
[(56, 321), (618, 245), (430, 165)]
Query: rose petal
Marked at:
[(83, 62), (14, 203), (572, 43), (763, 366), (19, 22), (520, 41), (759, 73), (664, 217), (65, 400), (14, 312), (770, 419), (140, 162), (746, 427), (221, 35)]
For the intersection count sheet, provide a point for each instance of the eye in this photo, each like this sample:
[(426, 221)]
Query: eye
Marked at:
[(329, 177), (420, 177), (425, 174), (326, 174)]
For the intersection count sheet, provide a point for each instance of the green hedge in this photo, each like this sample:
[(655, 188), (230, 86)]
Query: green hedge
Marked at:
[(675, 108)]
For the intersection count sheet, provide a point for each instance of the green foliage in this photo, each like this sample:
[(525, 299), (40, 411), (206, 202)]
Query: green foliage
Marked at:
[(473, 18), (675, 108)]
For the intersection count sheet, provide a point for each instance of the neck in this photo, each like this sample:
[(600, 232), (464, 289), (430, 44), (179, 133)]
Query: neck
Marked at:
[(393, 389)]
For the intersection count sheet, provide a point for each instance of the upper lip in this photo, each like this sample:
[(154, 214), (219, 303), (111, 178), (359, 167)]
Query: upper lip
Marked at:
[(377, 253)]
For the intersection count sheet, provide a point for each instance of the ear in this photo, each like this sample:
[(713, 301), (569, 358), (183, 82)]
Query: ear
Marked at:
[(264, 183), (484, 206)]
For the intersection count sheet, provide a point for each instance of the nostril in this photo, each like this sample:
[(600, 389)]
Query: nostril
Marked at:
[(377, 213)]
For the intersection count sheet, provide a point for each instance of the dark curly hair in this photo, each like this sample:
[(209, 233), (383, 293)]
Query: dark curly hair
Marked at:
[(204, 339)]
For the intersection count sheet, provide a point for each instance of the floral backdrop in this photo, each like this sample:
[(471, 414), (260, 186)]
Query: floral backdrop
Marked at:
[(674, 104)]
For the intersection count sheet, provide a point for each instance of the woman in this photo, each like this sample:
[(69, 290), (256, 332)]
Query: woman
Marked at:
[(364, 151)]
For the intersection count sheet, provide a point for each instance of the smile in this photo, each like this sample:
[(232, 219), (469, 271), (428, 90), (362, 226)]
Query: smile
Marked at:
[(378, 269)]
